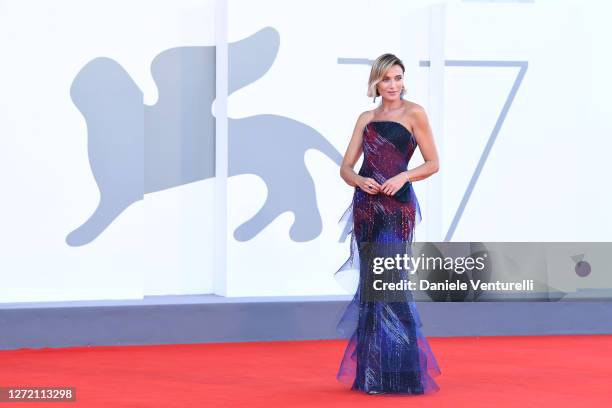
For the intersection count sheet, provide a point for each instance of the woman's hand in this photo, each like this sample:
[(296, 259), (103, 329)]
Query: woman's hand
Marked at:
[(390, 186), (368, 184)]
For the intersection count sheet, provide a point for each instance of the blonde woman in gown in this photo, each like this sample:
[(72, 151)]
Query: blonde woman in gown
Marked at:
[(386, 352)]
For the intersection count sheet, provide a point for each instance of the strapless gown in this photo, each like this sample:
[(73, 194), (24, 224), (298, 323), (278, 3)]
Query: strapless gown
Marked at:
[(387, 351)]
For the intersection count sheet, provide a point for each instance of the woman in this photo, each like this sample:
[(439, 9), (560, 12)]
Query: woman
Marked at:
[(387, 352)]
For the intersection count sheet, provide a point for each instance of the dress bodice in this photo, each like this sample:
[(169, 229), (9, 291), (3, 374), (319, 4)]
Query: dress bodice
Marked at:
[(387, 149)]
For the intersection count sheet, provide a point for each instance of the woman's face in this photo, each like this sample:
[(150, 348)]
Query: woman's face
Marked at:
[(392, 83)]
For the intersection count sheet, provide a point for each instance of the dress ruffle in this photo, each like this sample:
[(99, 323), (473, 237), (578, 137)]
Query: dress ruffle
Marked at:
[(402, 321), (347, 275)]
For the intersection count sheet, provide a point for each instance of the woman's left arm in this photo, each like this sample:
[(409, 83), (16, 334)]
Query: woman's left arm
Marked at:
[(424, 138)]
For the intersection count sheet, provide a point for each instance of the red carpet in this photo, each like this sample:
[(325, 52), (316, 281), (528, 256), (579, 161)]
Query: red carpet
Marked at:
[(529, 371)]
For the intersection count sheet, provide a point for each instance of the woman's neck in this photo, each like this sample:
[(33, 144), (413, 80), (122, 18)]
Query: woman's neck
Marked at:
[(390, 106)]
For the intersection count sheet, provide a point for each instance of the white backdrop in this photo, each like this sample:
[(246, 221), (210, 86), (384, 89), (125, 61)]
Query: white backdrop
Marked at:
[(544, 179), (159, 245)]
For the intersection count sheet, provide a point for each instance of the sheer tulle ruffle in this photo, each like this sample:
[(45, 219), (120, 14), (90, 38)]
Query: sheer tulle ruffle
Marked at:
[(347, 275), (418, 364), (396, 355)]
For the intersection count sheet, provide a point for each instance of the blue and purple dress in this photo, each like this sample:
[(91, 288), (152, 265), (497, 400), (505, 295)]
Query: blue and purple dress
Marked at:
[(387, 351)]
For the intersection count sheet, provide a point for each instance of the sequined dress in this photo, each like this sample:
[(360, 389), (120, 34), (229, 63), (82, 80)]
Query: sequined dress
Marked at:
[(387, 351)]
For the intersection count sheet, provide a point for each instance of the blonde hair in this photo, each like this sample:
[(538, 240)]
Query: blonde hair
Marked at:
[(379, 68)]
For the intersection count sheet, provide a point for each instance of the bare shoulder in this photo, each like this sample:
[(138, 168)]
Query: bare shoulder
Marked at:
[(414, 111), (366, 116)]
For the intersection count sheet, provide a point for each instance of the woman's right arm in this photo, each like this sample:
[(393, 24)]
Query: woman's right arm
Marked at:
[(353, 151)]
